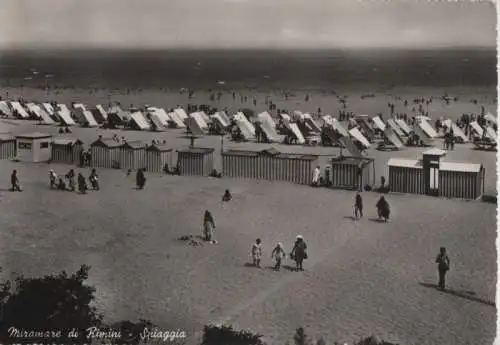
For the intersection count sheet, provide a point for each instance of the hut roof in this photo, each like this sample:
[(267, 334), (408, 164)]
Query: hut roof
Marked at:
[(248, 153), (6, 137), (240, 153), (159, 148), (34, 135), (460, 167), (404, 163), (271, 151), (134, 145), (66, 141), (196, 150), (351, 160), (109, 143), (434, 152)]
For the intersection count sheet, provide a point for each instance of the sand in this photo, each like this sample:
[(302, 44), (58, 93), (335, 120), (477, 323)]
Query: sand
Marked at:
[(362, 277)]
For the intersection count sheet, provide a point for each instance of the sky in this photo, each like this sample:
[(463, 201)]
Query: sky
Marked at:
[(163, 24)]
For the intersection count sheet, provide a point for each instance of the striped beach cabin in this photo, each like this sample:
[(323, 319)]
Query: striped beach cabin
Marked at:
[(352, 172), (133, 155), (431, 176), (269, 164), (157, 156), (66, 150), (195, 161), (105, 153), (7, 146)]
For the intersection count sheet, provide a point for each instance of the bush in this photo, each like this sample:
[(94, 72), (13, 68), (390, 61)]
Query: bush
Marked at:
[(225, 335)]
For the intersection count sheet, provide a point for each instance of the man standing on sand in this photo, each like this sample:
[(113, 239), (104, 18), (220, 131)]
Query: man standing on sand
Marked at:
[(208, 226), (358, 206), (278, 254), (299, 253), (316, 173), (443, 262), (14, 181), (256, 252)]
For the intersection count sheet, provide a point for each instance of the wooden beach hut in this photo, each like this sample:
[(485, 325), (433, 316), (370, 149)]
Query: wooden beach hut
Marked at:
[(269, 164), (352, 172), (431, 176), (196, 161), (33, 147), (157, 156), (105, 153), (7, 146), (133, 155), (66, 150)]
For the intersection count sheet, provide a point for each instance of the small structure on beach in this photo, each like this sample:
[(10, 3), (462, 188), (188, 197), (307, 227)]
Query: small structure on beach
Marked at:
[(352, 172), (105, 153), (66, 150), (197, 161), (133, 155), (431, 176), (33, 147), (269, 164), (157, 156), (7, 146)]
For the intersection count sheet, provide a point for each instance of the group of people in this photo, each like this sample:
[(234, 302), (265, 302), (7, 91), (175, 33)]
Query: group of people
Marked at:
[(298, 253), (58, 182)]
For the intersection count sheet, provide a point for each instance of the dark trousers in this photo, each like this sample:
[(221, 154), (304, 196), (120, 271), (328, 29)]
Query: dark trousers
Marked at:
[(442, 276), (15, 187), (358, 211)]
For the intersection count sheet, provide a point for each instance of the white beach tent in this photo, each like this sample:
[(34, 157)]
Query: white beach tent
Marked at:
[(490, 132), (181, 113), (339, 127), (311, 123), (158, 123), (4, 108), (297, 115), (395, 127), (457, 132), (176, 119), (224, 116), (89, 117), (393, 138), (33, 108), (65, 115), (264, 117), (427, 129), (404, 126), (224, 122), (475, 126), (355, 132), (247, 123), (292, 126), (245, 131), (327, 119), (101, 111), (377, 121), (79, 105), (161, 114), (138, 118), (285, 117), (45, 117), (205, 117), (200, 121), (17, 107), (490, 117), (48, 108)]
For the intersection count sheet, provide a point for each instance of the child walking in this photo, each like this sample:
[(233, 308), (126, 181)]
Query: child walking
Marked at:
[(278, 254), (256, 252)]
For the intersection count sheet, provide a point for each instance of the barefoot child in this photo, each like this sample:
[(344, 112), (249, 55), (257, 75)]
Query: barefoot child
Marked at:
[(256, 252), (278, 254)]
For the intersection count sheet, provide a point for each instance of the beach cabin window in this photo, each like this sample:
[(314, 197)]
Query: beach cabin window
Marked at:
[(434, 178), (44, 145), (24, 146)]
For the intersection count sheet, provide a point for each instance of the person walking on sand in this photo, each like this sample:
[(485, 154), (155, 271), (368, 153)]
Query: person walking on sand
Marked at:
[(256, 252), (299, 252), (358, 206), (278, 254), (140, 179), (316, 174), (94, 180), (82, 185), (443, 262), (14, 181), (52, 179), (208, 226), (71, 180), (383, 209)]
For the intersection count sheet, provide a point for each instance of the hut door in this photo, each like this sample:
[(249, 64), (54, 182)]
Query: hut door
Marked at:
[(433, 181)]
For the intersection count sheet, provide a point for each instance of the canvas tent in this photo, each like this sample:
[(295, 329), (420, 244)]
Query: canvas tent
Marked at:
[(181, 114), (404, 126), (393, 138), (490, 132), (79, 106), (138, 121), (194, 126), (46, 119), (269, 131), (311, 123), (4, 109), (200, 121), (475, 126), (285, 117), (339, 127), (427, 129), (224, 117), (157, 124), (245, 131), (247, 123), (205, 117), (48, 108), (222, 120), (294, 129), (89, 117), (490, 117), (65, 115), (19, 109), (266, 119), (392, 124), (356, 134), (161, 115), (176, 120), (377, 121), (457, 132)]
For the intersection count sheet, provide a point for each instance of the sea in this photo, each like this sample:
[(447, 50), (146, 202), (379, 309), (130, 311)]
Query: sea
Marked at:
[(249, 69)]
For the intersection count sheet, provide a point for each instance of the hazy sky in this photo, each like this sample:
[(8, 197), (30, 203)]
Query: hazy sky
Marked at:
[(246, 23)]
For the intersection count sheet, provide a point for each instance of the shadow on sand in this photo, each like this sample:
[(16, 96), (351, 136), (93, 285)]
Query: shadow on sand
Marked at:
[(350, 218), (376, 220), (463, 294)]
